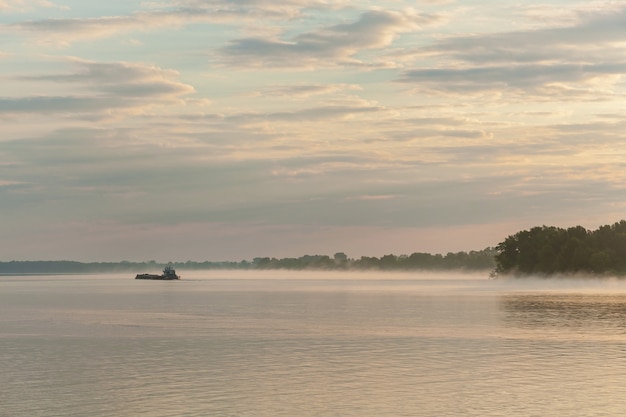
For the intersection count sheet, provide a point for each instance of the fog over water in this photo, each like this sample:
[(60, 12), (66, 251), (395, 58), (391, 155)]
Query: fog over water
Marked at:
[(281, 343)]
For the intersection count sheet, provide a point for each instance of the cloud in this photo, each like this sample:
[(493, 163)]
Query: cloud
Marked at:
[(285, 8), (329, 46), (323, 113), (109, 86), (328, 111), (64, 31), (555, 15), (435, 1), (594, 33), (587, 54), (216, 170), (521, 77), (305, 91), (25, 5)]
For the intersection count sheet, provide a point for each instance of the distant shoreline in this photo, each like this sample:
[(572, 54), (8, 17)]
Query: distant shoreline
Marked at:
[(483, 260)]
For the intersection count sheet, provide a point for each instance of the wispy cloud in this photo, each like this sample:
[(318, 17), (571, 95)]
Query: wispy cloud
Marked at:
[(25, 5), (305, 91), (329, 46), (286, 8), (105, 87), (253, 116), (520, 77), (588, 54), (65, 31)]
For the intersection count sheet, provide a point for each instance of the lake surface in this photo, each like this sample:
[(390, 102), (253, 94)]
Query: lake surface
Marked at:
[(300, 344)]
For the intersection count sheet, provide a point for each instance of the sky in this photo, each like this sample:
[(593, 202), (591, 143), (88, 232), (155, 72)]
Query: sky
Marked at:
[(230, 129)]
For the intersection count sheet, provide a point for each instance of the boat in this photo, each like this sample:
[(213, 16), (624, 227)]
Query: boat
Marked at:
[(168, 274)]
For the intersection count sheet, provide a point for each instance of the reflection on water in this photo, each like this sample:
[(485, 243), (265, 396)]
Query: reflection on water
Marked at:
[(325, 346), (589, 314)]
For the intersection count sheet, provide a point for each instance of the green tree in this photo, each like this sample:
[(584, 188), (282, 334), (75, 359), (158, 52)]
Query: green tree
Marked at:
[(548, 250)]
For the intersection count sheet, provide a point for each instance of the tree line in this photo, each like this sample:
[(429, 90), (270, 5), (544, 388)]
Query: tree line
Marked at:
[(470, 261), (541, 250), (549, 250), (473, 261)]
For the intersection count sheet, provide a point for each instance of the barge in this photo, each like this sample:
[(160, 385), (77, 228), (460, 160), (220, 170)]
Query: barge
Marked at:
[(168, 274)]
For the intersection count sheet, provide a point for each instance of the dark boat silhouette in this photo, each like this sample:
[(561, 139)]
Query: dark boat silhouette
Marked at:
[(168, 274)]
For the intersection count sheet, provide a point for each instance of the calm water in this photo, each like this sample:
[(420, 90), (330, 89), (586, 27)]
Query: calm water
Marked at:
[(238, 344)]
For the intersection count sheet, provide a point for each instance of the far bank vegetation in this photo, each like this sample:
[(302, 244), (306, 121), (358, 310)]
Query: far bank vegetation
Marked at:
[(482, 260), (539, 251), (548, 251)]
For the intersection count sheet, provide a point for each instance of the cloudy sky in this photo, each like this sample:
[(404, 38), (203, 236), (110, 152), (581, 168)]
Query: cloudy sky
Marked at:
[(228, 129)]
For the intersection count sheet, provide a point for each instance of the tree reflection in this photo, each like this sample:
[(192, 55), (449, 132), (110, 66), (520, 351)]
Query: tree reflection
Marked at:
[(572, 311)]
